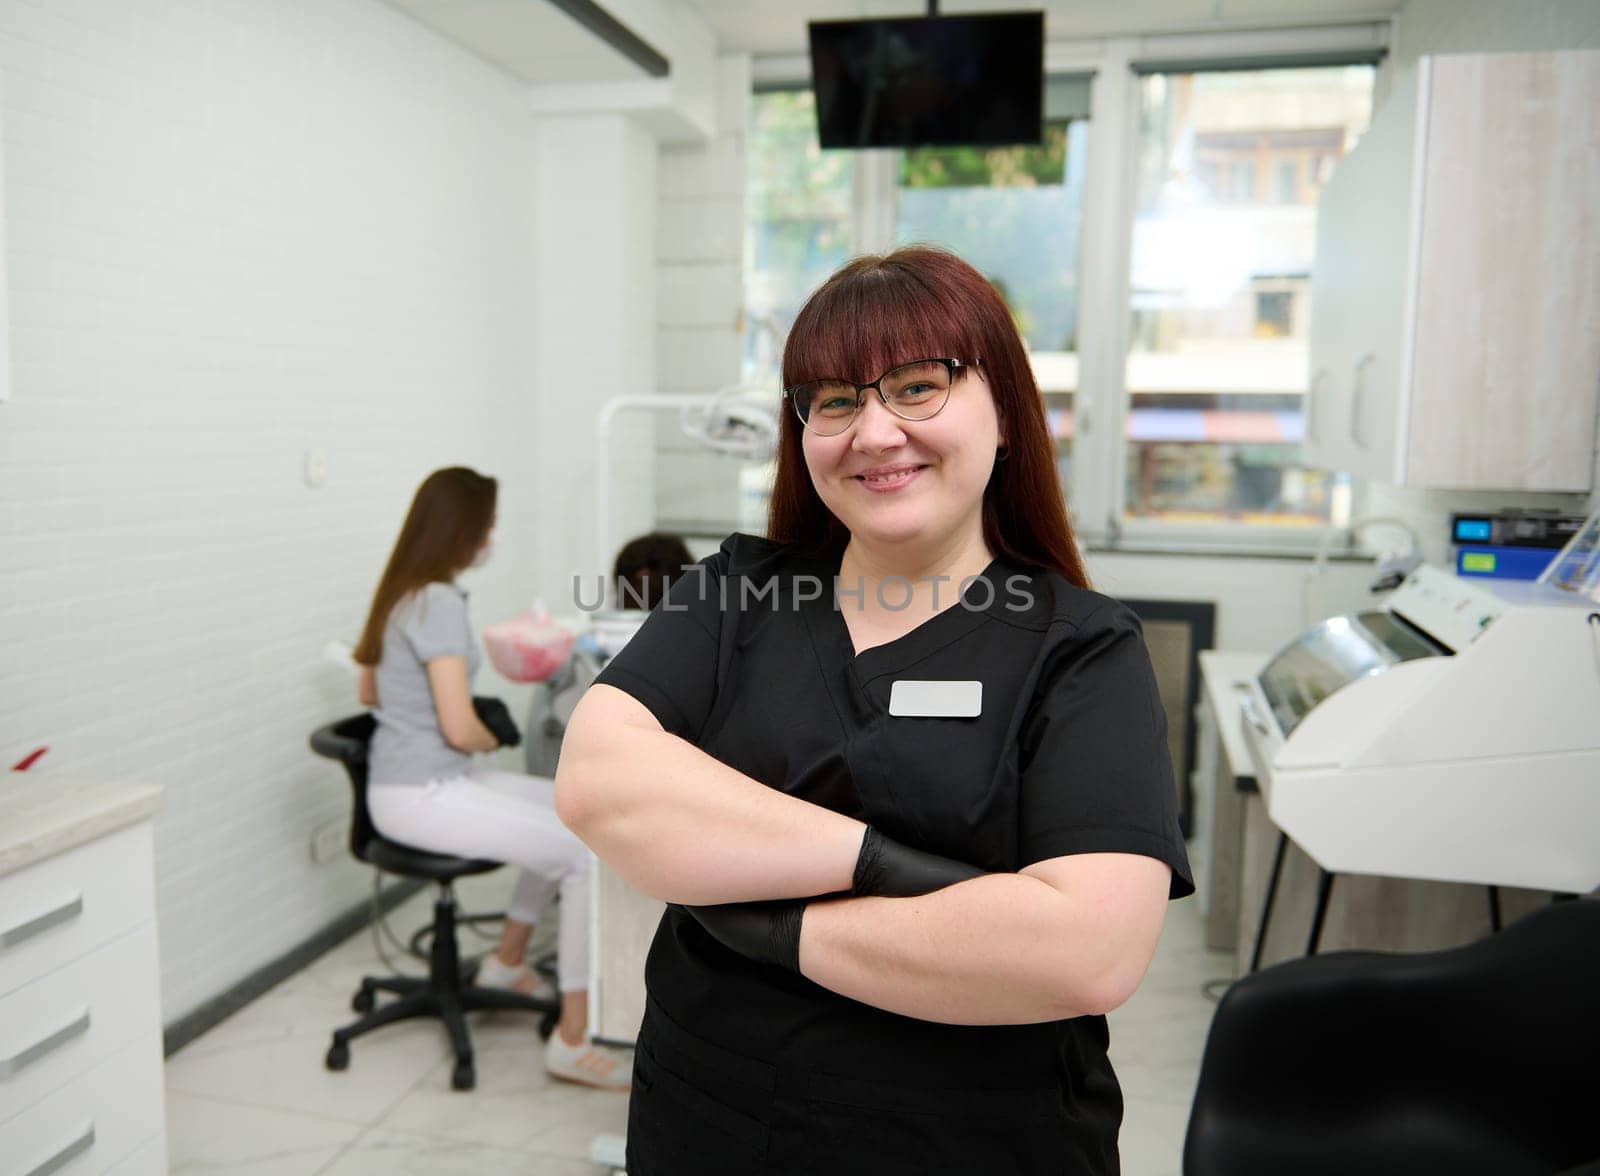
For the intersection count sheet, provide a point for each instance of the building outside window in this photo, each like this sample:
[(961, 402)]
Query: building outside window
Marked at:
[(1223, 244)]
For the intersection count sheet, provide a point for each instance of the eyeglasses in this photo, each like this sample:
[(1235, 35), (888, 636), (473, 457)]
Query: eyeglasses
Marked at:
[(913, 391)]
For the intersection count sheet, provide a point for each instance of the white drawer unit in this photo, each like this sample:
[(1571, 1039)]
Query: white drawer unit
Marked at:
[(80, 1001), (69, 1020), (63, 907), (95, 1122), (149, 1160)]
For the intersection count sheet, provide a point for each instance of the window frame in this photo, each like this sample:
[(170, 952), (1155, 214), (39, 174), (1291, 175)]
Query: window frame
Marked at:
[(1096, 497)]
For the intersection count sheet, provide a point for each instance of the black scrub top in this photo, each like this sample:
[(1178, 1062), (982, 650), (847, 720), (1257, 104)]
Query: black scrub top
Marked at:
[(1068, 755)]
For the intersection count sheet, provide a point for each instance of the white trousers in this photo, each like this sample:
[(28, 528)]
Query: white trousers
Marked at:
[(507, 817)]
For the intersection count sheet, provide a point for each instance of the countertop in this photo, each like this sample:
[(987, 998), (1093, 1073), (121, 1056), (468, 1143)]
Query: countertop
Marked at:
[(43, 814), (1221, 675)]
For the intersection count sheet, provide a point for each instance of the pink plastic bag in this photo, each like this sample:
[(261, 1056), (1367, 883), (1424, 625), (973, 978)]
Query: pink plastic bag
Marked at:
[(529, 647)]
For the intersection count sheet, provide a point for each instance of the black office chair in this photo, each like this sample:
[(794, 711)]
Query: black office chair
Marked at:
[(1482, 1060), (447, 992)]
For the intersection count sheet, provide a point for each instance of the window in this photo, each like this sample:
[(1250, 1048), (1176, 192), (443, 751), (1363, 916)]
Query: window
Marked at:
[(1274, 313), (1224, 233), (1016, 214), (798, 209), (1193, 194)]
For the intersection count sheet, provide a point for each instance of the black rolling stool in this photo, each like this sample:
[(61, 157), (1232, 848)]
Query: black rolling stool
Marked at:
[(447, 991)]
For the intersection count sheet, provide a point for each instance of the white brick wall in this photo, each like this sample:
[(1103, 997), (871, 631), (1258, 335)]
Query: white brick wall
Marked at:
[(597, 317), (237, 230), (699, 283)]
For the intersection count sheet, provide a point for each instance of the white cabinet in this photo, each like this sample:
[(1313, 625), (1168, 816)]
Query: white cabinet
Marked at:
[(80, 1006), (1455, 314)]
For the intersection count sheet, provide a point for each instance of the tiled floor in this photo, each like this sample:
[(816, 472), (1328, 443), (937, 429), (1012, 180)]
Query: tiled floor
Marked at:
[(251, 1096)]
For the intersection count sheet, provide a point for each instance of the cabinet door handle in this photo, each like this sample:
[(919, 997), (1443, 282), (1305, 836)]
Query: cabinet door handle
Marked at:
[(25, 1057), (70, 909), (1358, 393), (83, 1142)]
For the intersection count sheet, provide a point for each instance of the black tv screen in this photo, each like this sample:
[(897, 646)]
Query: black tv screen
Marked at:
[(939, 81)]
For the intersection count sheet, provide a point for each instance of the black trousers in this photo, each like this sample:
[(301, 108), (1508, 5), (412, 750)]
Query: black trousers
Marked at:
[(698, 1109)]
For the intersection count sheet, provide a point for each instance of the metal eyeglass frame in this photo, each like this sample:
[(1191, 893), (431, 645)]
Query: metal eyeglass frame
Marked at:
[(951, 364)]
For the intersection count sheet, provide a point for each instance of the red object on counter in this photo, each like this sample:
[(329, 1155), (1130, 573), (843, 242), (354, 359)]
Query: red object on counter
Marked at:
[(28, 760)]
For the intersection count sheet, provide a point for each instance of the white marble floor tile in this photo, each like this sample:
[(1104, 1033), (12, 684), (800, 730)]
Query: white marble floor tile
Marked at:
[(252, 1095), (269, 1055), (206, 1136), (357, 956), (1165, 1031), (386, 1152), (1157, 1040), (303, 1005), (286, 1072), (516, 1105), (1151, 1142)]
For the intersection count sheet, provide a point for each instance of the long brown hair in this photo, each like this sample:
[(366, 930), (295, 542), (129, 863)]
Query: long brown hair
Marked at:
[(916, 303), (450, 514)]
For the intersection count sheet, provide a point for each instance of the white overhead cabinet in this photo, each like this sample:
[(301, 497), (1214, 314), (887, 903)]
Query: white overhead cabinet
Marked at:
[(1455, 315)]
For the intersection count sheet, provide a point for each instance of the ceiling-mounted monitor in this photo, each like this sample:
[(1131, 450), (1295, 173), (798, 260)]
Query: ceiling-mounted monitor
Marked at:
[(937, 81)]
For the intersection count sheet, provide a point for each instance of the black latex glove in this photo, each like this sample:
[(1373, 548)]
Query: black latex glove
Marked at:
[(492, 713), (768, 932), (888, 869)]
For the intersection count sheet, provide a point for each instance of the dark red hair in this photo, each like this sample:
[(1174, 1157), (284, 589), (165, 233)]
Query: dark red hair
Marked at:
[(920, 303)]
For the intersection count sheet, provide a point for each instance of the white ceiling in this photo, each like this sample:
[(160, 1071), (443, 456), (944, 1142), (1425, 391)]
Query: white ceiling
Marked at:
[(532, 40), (779, 26), (535, 41)]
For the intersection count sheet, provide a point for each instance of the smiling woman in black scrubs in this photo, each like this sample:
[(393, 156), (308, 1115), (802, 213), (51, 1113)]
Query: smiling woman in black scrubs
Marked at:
[(901, 773)]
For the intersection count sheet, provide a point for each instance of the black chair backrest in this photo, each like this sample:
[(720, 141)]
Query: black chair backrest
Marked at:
[(1479, 1059), (347, 741)]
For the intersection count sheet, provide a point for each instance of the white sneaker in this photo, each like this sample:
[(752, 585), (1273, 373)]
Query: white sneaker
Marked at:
[(521, 978), (602, 1066)]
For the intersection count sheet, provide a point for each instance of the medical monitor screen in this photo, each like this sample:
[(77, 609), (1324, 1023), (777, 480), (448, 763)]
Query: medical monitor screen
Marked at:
[(941, 81)]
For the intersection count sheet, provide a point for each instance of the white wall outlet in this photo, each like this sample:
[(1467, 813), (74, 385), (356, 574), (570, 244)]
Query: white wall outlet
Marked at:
[(329, 839), (316, 467)]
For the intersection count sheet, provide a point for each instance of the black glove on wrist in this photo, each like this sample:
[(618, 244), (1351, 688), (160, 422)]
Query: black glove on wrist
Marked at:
[(888, 869), (492, 713), (768, 932)]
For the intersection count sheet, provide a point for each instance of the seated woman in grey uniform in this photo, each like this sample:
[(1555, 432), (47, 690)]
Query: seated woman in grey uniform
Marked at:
[(899, 773), (419, 657)]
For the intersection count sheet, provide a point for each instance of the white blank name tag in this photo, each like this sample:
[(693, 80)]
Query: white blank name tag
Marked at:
[(936, 700)]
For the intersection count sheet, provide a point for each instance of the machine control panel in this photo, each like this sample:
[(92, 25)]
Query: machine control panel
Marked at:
[(1451, 611)]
